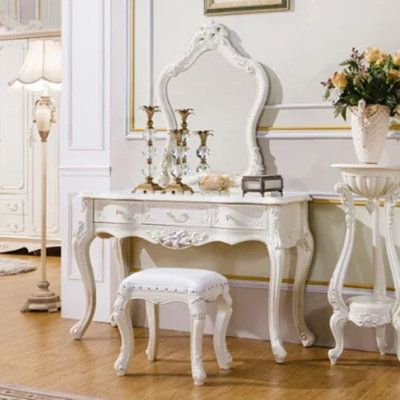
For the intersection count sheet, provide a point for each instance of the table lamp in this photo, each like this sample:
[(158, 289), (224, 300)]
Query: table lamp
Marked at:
[(40, 72)]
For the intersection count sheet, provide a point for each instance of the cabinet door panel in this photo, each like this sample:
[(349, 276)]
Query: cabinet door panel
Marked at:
[(13, 120)]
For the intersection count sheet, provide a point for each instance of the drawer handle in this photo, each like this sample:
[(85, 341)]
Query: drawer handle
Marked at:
[(179, 220), (123, 213), (235, 220)]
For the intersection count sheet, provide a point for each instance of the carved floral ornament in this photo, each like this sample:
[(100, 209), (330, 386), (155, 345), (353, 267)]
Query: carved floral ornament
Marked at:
[(210, 37), (181, 239)]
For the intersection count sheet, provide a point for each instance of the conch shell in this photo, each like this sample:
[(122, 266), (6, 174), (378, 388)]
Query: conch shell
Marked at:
[(215, 183)]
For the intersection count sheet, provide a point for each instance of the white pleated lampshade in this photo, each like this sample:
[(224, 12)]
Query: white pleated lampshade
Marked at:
[(41, 68)]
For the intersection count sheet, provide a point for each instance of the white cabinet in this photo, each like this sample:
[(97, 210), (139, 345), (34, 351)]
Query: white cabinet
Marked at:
[(20, 161)]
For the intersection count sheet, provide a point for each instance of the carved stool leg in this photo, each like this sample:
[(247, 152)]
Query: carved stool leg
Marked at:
[(224, 312), (380, 335), (152, 320), (122, 314), (198, 313), (305, 250), (277, 257)]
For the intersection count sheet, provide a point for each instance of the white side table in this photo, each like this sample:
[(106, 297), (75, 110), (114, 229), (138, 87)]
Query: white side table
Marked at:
[(375, 310)]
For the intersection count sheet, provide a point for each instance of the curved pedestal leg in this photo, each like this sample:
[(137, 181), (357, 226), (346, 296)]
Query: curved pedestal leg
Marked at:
[(337, 323), (81, 248), (305, 251), (119, 247), (394, 263), (198, 313), (340, 310), (277, 257), (152, 320), (122, 315), (380, 335), (224, 312)]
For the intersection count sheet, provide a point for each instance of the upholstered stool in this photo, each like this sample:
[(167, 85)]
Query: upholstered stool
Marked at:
[(165, 285)]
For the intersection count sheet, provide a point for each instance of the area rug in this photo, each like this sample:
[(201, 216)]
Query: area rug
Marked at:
[(14, 392), (13, 267)]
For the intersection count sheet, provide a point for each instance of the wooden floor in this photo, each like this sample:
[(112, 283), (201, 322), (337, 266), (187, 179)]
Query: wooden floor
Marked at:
[(37, 351)]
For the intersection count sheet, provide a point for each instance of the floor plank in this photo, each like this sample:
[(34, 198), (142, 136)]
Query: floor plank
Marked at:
[(37, 351)]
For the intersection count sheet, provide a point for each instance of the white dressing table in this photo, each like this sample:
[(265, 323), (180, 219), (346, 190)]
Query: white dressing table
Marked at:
[(179, 222), (182, 221)]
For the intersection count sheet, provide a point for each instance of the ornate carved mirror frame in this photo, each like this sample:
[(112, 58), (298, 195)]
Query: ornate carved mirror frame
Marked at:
[(215, 36)]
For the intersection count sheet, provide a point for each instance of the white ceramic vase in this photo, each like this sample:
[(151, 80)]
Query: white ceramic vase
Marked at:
[(369, 127)]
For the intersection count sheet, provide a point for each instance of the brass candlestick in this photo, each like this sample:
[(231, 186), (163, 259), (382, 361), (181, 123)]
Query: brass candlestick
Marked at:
[(203, 151), (148, 171), (184, 114), (177, 170)]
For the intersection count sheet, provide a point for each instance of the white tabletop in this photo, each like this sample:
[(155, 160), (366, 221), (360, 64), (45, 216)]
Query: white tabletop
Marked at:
[(250, 198)]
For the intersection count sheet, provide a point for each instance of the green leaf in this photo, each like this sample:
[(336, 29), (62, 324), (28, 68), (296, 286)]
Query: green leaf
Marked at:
[(344, 113)]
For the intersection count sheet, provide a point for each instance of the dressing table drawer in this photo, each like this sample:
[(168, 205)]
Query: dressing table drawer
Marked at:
[(176, 214), (241, 217), (118, 212)]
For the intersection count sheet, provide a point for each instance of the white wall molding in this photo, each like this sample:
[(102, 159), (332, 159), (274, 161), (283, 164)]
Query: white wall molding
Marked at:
[(299, 106), (149, 60), (150, 51), (98, 140), (85, 170), (288, 287), (283, 135), (314, 134), (85, 141), (252, 296), (295, 134)]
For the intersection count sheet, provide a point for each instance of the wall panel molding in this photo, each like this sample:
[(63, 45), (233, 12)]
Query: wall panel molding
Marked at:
[(274, 132), (98, 137), (85, 170)]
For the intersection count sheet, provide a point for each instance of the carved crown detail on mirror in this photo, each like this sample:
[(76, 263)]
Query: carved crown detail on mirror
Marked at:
[(215, 37)]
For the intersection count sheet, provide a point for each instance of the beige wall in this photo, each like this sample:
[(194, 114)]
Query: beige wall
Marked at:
[(299, 48)]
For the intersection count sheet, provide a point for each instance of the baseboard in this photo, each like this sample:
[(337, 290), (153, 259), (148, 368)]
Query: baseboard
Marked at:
[(250, 316)]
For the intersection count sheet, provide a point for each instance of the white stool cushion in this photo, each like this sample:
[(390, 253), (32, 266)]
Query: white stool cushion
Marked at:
[(177, 280)]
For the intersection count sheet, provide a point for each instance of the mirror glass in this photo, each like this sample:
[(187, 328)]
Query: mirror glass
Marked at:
[(222, 96)]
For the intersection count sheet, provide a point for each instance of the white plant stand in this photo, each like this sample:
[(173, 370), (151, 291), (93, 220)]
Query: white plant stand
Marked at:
[(376, 310)]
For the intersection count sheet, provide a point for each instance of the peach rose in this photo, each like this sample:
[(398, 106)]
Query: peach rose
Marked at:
[(339, 80), (396, 58), (374, 55), (381, 60), (394, 74)]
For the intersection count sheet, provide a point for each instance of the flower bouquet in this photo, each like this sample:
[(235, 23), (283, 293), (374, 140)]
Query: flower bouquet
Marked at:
[(369, 87)]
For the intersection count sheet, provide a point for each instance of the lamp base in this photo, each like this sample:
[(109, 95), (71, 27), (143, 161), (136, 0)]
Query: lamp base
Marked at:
[(42, 300)]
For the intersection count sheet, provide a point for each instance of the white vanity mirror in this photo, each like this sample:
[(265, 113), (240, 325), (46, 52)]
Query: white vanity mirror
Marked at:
[(207, 78)]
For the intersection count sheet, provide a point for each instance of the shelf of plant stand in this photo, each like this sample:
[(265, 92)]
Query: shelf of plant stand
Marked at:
[(370, 310)]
